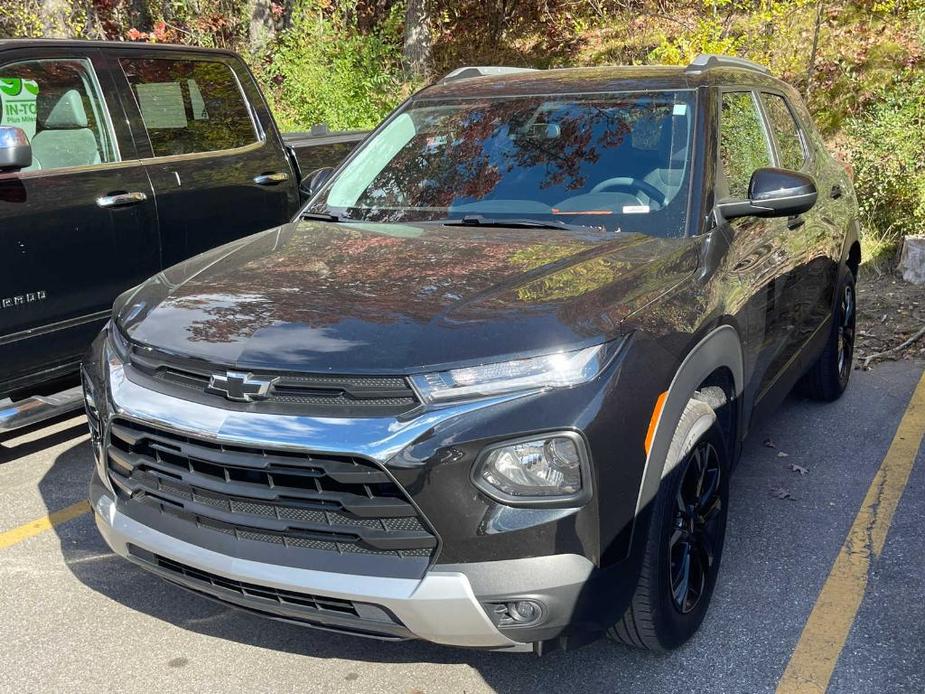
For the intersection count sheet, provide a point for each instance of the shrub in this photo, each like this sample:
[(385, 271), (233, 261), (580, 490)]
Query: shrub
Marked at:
[(887, 143), (324, 70)]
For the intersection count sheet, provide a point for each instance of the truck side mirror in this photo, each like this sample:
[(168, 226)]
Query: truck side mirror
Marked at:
[(312, 183), (15, 150), (773, 193)]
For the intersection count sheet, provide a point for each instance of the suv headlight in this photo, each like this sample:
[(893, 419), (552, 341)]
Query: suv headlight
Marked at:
[(551, 469), (558, 370)]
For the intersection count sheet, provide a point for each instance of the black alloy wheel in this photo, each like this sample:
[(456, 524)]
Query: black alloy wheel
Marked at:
[(697, 530), (846, 320)]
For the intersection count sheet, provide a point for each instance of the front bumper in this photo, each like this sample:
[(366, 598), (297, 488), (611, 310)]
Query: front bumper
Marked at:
[(441, 607), (490, 554)]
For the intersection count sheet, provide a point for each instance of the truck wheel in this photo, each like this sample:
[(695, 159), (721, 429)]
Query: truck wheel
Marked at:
[(684, 538), (828, 377)]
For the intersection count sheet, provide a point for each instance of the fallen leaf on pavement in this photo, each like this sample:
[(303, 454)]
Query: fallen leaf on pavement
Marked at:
[(781, 493), (781, 454), (769, 443), (798, 468)]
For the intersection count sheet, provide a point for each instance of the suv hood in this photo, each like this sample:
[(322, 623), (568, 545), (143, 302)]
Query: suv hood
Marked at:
[(348, 298)]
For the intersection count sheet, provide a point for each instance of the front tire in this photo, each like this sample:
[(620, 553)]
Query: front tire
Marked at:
[(828, 377), (684, 541)]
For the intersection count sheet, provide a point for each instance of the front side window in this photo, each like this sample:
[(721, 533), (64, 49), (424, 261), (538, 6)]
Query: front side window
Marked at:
[(617, 161), (742, 144), (190, 106), (786, 133), (57, 103)]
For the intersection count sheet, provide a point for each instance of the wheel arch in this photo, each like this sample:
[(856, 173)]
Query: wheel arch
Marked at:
[(715, 358)]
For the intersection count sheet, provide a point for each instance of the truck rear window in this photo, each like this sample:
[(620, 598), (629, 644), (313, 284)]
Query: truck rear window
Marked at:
[(190, 106)]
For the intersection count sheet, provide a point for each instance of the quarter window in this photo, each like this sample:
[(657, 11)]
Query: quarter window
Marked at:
[(57, 103), (789, 145), (190, 106), (743, 145)]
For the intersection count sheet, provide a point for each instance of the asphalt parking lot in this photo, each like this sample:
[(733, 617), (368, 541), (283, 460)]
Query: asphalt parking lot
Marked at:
[(75, 618)]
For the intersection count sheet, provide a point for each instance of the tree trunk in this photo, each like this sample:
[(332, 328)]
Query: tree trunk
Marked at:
[(812, 54), (262, 27), (416, 52)]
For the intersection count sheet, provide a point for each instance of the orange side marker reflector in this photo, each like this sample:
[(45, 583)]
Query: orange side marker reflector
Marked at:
[(656, 413)]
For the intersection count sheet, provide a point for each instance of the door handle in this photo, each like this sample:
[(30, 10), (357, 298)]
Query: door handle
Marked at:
[(121, 199), (271, 179), (836, 192), (796, 221)]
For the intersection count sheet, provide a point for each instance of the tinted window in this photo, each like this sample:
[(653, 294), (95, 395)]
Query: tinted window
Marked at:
[(743, 146), (190, 106), (789, 144), (619, 161), (58, 105)]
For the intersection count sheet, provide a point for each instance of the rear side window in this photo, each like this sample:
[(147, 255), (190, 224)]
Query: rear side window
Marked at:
[(190, 106), (743, 145), (786, 133), (57, 103)]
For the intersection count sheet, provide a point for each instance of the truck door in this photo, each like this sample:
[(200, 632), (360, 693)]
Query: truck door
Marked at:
[(78, 226), (218, 166)]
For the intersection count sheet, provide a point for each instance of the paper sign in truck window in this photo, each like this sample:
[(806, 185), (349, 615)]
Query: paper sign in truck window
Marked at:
[(17, 103)]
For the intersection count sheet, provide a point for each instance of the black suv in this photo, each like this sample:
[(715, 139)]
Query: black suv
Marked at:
[(488, 389)]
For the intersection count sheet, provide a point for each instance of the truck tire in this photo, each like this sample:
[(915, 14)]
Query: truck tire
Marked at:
[(828, 378), (684, 541)]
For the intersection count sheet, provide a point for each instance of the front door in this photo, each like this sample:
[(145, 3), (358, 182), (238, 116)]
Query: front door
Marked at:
[(219, 172), (760, 259), (78, 226)]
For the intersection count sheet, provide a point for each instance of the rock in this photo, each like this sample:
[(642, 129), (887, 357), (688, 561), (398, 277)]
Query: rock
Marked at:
[(912, 260)]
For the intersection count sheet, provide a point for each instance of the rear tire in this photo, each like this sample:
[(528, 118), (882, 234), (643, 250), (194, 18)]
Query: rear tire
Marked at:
[(684, 542), (828, 378)]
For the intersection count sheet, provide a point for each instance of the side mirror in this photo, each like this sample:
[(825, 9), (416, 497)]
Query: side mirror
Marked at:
[(773, 193), (312, 183), (15, 150)]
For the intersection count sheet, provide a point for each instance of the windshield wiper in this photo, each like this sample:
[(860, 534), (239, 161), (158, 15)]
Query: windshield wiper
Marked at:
[(477, 220), (321, 216)]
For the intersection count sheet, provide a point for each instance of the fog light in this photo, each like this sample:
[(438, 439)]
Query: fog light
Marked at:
[(525, 611), (517, 613), (552, 468)]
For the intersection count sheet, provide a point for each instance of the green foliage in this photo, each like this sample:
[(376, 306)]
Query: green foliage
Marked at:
[(325, 71), (20, 19), (888, 144)]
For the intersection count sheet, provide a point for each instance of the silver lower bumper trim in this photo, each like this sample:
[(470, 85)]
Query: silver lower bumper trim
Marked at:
[(440, 607)]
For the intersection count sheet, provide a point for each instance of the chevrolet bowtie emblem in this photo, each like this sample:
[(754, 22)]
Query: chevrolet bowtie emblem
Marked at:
[(241, 386)]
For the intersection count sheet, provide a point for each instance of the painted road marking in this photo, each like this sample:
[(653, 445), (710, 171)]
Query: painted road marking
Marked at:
[(8, 538), (824, 635)]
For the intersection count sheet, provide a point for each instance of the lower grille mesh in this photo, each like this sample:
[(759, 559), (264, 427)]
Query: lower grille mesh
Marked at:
[(338, 614)]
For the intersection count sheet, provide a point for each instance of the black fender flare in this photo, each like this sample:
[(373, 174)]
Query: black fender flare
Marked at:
[(720, 348)]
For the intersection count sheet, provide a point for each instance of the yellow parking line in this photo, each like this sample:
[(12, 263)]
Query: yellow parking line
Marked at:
[(824, 635), (9, 538)]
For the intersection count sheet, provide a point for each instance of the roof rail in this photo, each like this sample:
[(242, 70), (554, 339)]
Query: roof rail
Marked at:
[(705, 61), (470, 71)]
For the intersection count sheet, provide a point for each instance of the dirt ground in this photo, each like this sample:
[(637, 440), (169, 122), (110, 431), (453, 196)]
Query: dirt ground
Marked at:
[(890, 313)]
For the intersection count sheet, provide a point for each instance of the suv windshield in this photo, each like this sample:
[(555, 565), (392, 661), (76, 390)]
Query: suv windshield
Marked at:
[(618, 161)]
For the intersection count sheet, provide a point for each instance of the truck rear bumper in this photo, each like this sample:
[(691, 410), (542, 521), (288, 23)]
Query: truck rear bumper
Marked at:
[(441, 607)]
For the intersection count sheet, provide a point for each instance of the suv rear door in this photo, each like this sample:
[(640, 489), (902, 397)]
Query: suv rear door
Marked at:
[(217, 164), (77, 227)]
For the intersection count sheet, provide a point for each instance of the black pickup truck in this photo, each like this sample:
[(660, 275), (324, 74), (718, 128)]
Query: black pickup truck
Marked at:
[(118, 160)]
